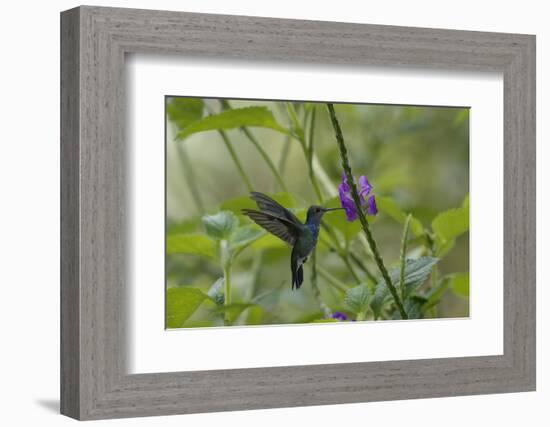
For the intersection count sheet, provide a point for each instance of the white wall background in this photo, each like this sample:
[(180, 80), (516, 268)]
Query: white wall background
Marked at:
[(29, 224)]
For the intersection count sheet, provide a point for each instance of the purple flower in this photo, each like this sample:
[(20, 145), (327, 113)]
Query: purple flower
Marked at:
[(338, 315), (367, 199)]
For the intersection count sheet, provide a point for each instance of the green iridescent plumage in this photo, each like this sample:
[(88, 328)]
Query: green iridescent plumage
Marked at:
[(282, 223)]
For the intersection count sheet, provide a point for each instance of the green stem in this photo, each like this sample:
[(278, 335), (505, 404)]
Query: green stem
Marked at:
[(434, 277), (309, 154), (231, 150), (345, 258), (324, 308), (363, 267), (226, 263), (308, 149), (284, 155), (255, 269), (361, 214), (298, 131), (403, 256), (227, 291), (190, 177), (266, 158), (225, 106), (323, 177), (227, 284), (433, 251), (236, 160), (430, 242), (332, 280), (316, 167), (339, 250)]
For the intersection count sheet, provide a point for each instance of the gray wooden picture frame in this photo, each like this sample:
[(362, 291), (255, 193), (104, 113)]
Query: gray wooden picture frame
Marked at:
[(94, 41)]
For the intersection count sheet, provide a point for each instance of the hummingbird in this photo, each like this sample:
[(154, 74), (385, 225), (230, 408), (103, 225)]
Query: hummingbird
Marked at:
[(282, 223)]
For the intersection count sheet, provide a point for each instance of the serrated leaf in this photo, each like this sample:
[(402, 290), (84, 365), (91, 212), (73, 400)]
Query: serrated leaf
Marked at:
[(234, 118), (220, 225), (181, 303), (413, 308), (184, 111), (416, 272), (380, 298), (190, 244), (388, 206), (357, 299)]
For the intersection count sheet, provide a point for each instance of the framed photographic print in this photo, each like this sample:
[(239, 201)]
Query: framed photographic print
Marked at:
[(276, 213)]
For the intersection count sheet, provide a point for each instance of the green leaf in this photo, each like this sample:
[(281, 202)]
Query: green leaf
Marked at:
[(449, 225), (357, 299), (388, 206), (232, 311), (444, 248), (184, 111), (416, 272), (244, 236), (324, 321), (269, 241), (191, 244), (460, 284), (381, 296), (462, 115), (220, 225), (434, 295), (183, 227), (466, 202), (413, 307), (181, 303), (255, 315), (234, 118)]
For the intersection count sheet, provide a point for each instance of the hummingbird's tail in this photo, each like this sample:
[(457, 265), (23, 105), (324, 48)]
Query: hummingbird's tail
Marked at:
[(296, 268), (297, 277)]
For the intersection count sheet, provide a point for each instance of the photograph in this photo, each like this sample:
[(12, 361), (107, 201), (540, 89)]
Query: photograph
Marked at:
[(281, 212), (292, 210)]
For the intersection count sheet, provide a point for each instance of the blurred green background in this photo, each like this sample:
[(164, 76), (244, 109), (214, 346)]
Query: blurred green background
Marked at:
[(416, 156)]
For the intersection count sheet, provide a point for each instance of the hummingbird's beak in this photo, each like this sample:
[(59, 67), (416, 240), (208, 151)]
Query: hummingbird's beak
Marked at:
[(333, 209)]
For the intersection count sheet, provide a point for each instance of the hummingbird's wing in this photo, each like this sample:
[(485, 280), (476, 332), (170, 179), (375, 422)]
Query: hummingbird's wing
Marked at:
[(280, 227), (270, 206)]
